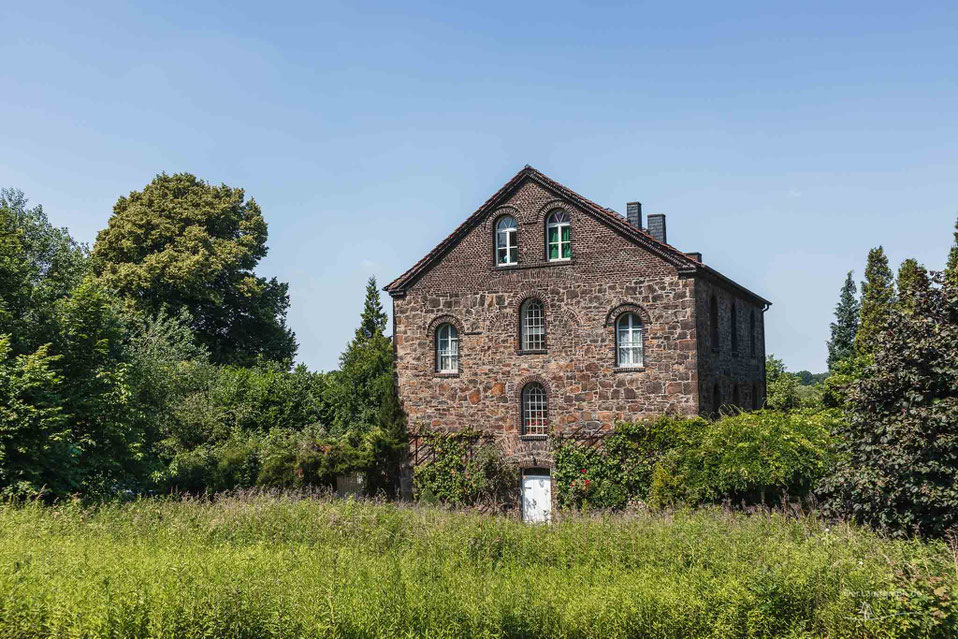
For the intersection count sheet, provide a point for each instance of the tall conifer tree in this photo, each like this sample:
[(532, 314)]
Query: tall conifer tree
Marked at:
[(841, 346), (373, 319), (912, 279), (878, 297)]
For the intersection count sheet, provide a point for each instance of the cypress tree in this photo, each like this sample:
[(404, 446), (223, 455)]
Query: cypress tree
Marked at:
[(912, 279), (878, 297), (842, 344)]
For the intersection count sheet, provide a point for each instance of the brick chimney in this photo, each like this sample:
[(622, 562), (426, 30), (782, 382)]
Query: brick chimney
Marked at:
[(657, 227), (633, 214)]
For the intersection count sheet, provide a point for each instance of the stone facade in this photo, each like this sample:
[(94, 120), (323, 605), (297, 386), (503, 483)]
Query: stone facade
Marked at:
[(614, 268)]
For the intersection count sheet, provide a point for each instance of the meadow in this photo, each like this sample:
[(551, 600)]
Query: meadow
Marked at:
[(255, 565)]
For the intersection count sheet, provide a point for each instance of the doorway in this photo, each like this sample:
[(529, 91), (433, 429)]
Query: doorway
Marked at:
[(536, 495)]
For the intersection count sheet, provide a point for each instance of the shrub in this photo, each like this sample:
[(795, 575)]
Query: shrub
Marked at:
[(466, 472), (750, 457), (621, 467), (281, 458), (898, 446)]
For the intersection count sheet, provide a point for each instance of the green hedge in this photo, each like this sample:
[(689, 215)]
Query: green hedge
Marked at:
[(749, 457), (284, 458)]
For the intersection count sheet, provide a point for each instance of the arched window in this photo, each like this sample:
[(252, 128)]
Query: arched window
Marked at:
[(714, 323), (733, 321), (447, 349), (628, 337), (751, 334), (534, 410), (756, 400), (533, 326), (736, 397), (716, 399), (507, 241), (558, 237)]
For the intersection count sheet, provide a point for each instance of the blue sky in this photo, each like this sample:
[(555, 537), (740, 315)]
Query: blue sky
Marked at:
[(782, 140)]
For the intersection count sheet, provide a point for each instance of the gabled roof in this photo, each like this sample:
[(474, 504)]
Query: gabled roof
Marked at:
[(682, 262)]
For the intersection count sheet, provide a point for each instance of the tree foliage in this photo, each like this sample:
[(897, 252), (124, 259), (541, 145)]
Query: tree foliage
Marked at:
[(878, 298), (898, 447), (34, 437), (912, 279), (39, 264), (750, 457), (182, 244), (951, 268), (781, 387), (841, 346), (362, 394)]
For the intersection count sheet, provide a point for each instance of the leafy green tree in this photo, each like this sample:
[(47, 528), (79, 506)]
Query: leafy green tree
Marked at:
[(34, 438), (912, 278), (111, 441), (781, 386), (898, 446), (183, 244), (878, 298), (808, 378), (845, 327), (39, 265)]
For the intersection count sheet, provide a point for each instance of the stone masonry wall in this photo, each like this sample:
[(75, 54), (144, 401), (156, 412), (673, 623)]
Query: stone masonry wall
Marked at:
[(743, 369), (608, 274)]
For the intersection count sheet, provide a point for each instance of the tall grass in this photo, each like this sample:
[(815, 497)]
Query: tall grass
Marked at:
[(258, 566)]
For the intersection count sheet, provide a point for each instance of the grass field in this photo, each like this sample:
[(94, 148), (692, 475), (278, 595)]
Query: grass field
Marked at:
[(257, 566)]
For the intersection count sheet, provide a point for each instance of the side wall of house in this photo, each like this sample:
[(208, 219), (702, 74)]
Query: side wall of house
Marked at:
[(738, 369), (607, 275)]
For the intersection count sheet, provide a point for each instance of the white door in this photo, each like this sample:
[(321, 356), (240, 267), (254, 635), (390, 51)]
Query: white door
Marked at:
[(536, 497)]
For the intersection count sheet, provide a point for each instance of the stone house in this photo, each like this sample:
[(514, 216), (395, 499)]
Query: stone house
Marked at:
[(544, 313)]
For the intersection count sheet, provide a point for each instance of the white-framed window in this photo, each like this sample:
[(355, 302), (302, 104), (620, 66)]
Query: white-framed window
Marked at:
[(507, 241), (533, 326), (628, 336), (534, 410), (447, 349), (558, 237)]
